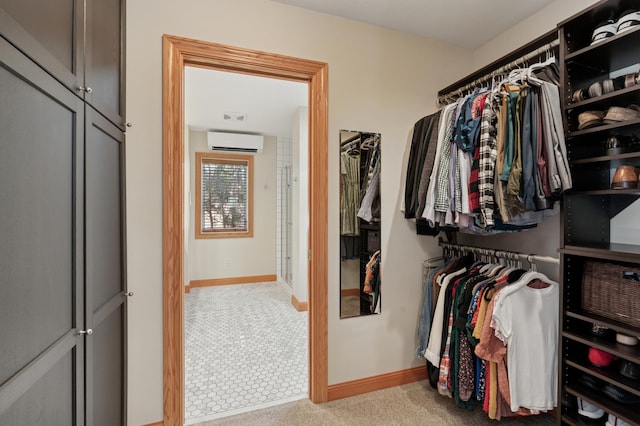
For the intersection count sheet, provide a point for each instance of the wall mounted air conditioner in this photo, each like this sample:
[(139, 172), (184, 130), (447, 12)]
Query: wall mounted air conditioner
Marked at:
[(235, 142)]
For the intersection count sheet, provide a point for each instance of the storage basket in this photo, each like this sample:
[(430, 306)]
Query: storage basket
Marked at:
[(612, 291)]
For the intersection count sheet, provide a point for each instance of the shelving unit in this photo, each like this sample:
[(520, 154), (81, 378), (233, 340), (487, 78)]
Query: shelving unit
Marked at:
[(590, 208)]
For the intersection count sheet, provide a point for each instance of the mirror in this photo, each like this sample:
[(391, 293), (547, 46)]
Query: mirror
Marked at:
[(360, 277)]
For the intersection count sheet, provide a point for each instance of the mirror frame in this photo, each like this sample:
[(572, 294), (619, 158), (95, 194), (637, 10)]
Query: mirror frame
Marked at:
[(360, 244)]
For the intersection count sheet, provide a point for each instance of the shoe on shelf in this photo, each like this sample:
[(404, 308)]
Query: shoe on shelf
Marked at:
[(617, 144), (625, 339), (616, 114), (590, 411), (590, 382), (589, 119), (630, 370), (628, 20), (625, 177), (620, 395), (615, 421), (604, 31), (600, 358), (600, 331)]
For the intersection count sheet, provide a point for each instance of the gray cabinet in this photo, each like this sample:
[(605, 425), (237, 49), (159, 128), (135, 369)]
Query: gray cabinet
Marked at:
[(62, 251), (79, 42)]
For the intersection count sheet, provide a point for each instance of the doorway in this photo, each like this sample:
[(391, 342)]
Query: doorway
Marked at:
[(177, 53), (245, 345)]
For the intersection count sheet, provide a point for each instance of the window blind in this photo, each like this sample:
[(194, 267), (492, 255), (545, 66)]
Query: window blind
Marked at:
[(225, 198)]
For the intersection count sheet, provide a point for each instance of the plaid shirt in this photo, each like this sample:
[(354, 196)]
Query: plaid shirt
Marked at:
[(488, 155), (442, 182)]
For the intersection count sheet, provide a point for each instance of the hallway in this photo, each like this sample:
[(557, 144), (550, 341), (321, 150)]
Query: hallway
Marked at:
[(246, 347)]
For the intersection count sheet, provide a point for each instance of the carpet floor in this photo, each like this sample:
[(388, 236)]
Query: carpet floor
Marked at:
[(411, 404)]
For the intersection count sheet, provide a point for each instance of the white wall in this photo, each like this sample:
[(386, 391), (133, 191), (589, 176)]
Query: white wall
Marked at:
[(379, 80), (528, 29), (300, 204), (238, 257)]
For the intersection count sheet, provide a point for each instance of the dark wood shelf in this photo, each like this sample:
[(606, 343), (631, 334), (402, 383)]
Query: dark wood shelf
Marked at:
[(607, 158), (594, 56), (627, 412), (631, 353), (589, 208), (606, 251), (603, 128), (604, 321), (622, 97), (608, 375), (631, 191)]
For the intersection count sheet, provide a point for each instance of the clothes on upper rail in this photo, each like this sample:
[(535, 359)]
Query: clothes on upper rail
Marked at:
[(359, 191), (420, 147), (499, 163), (349, 193), (492, 336)]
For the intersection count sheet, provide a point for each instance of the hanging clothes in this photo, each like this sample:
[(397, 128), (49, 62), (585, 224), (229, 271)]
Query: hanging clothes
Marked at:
[(349, 193), (499, 163), (492, 329)]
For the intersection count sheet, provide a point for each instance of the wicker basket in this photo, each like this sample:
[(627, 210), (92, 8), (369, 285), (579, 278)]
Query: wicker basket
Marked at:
[(612, 291)]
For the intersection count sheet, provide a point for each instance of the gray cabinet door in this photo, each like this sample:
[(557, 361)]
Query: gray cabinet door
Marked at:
[(80, 42), (104, 58), (41, 236), (105, 275), (49, 32)]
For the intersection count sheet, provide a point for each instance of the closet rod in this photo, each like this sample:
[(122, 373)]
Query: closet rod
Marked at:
[(502, 70), (504, 254), (351, 139), (544, 42)]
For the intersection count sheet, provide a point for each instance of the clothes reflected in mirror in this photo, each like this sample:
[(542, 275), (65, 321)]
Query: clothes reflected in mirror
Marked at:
[(360, 217)]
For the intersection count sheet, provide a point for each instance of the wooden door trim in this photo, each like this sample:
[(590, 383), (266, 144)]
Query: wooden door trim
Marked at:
[(178, 52)]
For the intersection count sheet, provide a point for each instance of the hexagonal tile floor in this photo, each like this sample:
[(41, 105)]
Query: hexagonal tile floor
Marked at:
[(245, 346)]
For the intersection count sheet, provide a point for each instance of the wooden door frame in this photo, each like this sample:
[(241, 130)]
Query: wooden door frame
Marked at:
[(178, 52)]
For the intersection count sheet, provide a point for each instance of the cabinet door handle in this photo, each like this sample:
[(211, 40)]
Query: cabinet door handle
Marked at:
[(88, 332), (85, 89)]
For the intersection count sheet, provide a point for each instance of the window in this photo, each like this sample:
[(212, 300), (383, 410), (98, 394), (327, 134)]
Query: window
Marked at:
[(224, 184)]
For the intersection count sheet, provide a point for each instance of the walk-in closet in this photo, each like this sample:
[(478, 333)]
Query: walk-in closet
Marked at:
[(527, 174)]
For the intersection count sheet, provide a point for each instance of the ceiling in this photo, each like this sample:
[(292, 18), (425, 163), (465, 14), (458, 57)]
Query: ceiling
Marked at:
[(465, 23), (211, 95), (214, 100)]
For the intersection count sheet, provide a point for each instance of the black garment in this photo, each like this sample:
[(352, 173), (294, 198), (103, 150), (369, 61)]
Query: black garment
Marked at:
[(421, 134), (423, 227), (418, 134), (427, 165)]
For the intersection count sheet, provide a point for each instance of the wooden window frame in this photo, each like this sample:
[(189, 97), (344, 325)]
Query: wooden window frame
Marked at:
[(230, 233)]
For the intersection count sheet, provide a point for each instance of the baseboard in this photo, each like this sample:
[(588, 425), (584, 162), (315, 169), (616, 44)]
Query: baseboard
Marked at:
[(350, 292), (233, 280), (187, 288), (370, 384), (300, 306)]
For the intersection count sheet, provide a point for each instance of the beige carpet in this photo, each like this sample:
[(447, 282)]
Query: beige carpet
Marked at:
[(412, 404)]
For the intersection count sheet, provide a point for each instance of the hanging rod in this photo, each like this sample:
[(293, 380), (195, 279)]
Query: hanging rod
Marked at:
[(503, 254), (508, 62)]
